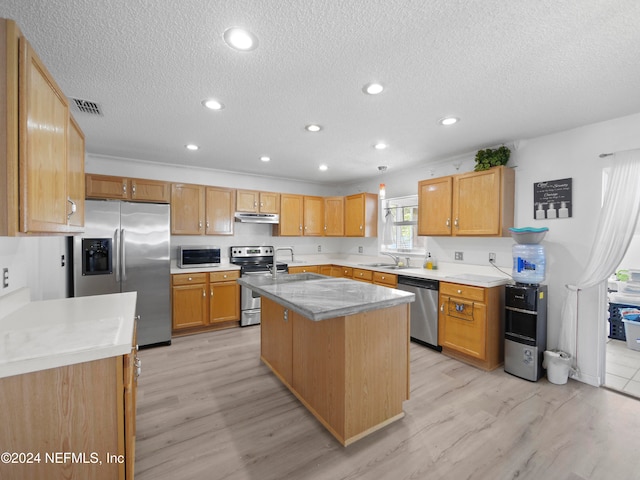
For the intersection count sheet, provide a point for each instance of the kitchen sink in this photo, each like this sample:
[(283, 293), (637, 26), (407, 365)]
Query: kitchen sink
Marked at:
[(298, 277), (385, 265)]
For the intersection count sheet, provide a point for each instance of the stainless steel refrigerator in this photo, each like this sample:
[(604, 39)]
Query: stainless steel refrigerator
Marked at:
[(125, 248)]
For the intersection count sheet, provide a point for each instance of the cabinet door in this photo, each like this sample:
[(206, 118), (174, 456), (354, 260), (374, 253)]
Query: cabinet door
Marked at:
[(224, 301), (107, 186), (313, 216), (334, 216), (462, 326), (247, 200), (434, 206), (187, 209), (150, 190), (476, 203), (276, 338), (220, 207), (361, 215), (290, 215), (189, 305), (75, 176), (269, 202), (43, 124)]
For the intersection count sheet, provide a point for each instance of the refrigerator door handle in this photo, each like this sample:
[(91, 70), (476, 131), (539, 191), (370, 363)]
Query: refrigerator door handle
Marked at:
[(116, 238), (123, 256)]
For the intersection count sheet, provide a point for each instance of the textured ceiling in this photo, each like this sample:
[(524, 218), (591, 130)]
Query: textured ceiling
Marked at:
[(509, 69)]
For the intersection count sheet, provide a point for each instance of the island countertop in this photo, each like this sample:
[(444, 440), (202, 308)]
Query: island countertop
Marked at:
[(318, 297), (54, 333)]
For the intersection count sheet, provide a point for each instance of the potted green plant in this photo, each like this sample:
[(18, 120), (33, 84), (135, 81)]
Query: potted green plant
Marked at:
[(491, 157)]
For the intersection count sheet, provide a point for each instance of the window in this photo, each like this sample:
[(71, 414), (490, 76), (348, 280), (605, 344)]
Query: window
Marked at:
[(400, 226)]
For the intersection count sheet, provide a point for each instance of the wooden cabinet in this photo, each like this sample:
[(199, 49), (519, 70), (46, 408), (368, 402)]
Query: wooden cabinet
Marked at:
[(300, 215), (205, 301), (124, 188), (189, 300), (469, 204), (86, 409), (435, 198), (385, 279), (219, 208), (75, 173), (199, 210), (257, 202), (276, 339), (224, 296), (361, 215), (334, 216), (470, 324), (41, 147), (363, 275), (305, 269), (344, 272)]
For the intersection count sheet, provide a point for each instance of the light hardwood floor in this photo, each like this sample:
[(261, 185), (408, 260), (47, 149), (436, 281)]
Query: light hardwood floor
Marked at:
[(208, 409)]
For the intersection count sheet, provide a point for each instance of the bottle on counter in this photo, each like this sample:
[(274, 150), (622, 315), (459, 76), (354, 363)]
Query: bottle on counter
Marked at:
[(428, 262)]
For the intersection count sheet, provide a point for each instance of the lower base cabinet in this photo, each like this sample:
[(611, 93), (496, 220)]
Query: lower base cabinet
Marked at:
[(204, 301), (71, 422), (471, 324)]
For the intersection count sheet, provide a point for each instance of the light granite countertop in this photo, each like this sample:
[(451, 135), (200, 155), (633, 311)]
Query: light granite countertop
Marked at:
[(319, 297), (54, 333)]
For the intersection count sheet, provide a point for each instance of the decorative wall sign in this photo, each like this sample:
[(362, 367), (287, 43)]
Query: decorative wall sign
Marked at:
[(552, 199)]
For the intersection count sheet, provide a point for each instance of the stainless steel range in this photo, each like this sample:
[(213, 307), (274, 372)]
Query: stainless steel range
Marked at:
[(253, 261)]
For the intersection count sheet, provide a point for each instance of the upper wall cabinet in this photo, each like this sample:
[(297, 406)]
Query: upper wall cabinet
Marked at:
[(199, 210), (300, 215), (469, 204), (257, 202), (334, 216), (361, 215), (123, 188), (42, 148)]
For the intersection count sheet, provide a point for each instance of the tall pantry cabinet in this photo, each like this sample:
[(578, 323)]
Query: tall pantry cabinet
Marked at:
[(41, 146)]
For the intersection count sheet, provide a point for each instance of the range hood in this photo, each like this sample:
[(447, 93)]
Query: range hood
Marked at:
[(245, 217)]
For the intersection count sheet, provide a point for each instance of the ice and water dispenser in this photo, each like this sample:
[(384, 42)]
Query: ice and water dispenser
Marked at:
[(526, 307)]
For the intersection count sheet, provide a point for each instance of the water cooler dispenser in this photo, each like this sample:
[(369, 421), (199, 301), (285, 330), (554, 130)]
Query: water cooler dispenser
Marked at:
[(525, 332)]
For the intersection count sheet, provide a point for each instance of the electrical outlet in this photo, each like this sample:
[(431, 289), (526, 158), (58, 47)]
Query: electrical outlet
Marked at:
[(492, 257), (319, 248), (5, 277), (359, 249), (459, 256)]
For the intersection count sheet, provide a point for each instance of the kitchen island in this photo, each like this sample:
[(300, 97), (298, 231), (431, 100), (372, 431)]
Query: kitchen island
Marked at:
[(67, 387), (340, 346)]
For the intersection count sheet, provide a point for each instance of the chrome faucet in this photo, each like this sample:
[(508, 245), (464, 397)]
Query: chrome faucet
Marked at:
[(396, 259), (274, 271)]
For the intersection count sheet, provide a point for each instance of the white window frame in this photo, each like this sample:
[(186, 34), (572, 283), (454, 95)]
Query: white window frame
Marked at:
[(391, 208)]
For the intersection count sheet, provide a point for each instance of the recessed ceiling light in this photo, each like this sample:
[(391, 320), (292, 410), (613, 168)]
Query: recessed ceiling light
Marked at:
[(264, 158), (240, 39), (448, 121), (372, 88), (213, 104), (380, 146), (192, 146), (323, 168), (313, 128)]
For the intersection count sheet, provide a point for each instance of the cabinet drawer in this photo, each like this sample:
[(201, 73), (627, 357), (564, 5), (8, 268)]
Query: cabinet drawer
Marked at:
[(188, 278), (388, 279), (224, 276), (309, 269), (346, 272), (463, 327), (466, 291), (359, 274)]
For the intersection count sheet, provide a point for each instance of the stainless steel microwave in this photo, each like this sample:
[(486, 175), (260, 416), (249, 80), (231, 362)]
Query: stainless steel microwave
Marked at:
[(198, 256)]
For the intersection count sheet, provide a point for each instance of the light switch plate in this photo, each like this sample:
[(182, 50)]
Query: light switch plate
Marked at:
[(459, 256)]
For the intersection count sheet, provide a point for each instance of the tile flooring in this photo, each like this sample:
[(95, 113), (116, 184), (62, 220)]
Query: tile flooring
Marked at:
[(623, 367)]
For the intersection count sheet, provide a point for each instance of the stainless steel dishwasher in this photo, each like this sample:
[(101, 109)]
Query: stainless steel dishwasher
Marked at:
[(424, 311)]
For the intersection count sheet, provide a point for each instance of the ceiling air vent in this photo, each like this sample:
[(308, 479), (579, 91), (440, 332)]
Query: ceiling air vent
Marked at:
[(87, 106)]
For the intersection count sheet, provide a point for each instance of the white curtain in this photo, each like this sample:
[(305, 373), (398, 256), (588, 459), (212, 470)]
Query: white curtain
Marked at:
[(616, 226)]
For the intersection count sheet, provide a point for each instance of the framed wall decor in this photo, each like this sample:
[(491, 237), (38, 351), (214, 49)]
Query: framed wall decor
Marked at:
[(552, 199)]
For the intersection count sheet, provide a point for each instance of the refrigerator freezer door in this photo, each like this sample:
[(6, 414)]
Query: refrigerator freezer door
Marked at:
[(145, 267), (102, 221)]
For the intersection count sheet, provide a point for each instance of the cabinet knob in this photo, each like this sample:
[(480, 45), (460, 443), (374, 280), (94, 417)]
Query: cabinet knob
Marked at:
[(442, 307), (382, 277), (360, 227), (300, 227), (73, 208), (207, 223), (224, 276), (448, 223), (124, 187), (255, 204), (133, 189), (455, 223), (190, 278), (199, 225), (459, 291), (286, 315), (204, 292), (211, 292)]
